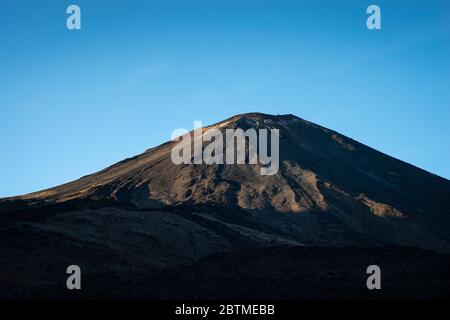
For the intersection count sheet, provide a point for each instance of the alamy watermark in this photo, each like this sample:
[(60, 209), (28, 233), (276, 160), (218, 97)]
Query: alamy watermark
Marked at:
[(74, 280), (238, 147), (373, 21), (374, 280), (73, 22)]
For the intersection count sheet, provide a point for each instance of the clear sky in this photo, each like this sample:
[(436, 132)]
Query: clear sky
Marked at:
[(74, 102)]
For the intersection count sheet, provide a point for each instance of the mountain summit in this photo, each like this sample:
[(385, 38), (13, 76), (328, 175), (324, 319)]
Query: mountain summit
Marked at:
[(330, 190), (148, 228)]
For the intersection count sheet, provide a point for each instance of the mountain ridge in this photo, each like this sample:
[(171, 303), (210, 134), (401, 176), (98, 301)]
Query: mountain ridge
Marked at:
[(249, 115), (330, 190), (334, 207)]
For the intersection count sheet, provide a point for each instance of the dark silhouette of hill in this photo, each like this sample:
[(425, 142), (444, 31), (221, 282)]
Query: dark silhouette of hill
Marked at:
[(146, 216)]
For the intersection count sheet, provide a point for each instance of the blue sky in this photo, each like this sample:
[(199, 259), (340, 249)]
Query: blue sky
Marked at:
[(74, 102)]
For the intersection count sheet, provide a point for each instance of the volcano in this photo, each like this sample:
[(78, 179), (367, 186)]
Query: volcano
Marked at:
[(148, 215)]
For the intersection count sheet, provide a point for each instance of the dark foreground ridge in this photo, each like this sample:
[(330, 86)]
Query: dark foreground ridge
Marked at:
[(280, 273), (146, 227)]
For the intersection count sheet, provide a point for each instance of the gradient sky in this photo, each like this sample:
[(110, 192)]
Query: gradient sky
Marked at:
[(74, 102)]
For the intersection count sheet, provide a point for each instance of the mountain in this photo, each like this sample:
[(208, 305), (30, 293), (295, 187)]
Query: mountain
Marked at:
[(148, 213)]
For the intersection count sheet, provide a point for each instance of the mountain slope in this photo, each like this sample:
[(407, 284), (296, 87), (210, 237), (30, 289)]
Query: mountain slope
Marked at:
[(330, 190), (147, 218)]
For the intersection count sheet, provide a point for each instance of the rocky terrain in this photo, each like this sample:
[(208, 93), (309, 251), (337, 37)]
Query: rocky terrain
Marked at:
[(146, 216)]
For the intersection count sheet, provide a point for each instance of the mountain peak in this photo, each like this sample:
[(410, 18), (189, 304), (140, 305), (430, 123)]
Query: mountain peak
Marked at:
[(258, 116), (260, 120), (338, 187)]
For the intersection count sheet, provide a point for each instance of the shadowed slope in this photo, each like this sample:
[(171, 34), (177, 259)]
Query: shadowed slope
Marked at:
[(329, 190), (147, 218)]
